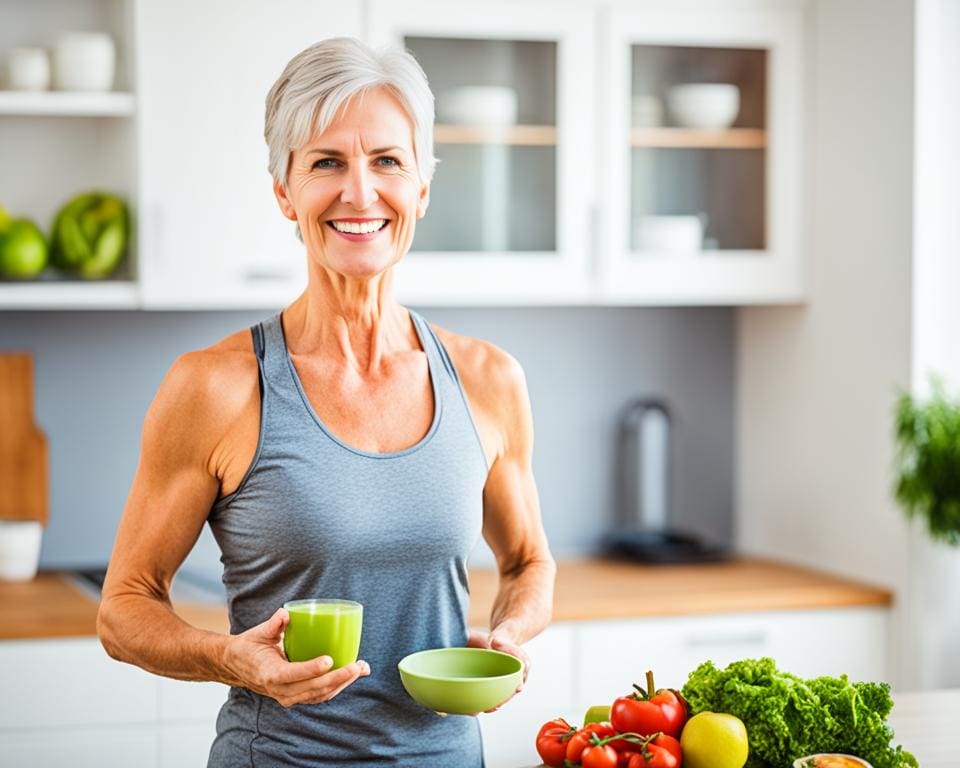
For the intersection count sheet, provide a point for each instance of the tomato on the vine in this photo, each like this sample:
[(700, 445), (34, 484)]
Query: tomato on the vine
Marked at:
[(649, 711), (663, 751), (600, 756), (552, 741)]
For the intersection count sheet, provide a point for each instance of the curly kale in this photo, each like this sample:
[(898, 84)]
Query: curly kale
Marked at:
[(788, 717)]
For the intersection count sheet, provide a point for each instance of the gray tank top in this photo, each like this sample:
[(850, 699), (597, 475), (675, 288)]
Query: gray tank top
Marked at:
[(315, 517)]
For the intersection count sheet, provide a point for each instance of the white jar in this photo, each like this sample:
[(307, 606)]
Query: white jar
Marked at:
[(84, 61), (19, 549), (28, 69)]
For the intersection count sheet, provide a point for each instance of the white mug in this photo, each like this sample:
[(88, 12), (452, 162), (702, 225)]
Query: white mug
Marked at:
[(84, 61), (28, 69)]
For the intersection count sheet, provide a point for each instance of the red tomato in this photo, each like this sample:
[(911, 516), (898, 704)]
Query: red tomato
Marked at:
[(578, 744), (670, 744), (603, 756), (648, 711), (603, 730), (552, 741), (660, 757)]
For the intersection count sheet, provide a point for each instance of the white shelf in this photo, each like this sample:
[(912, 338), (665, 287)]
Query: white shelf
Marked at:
[(103, 294), (67, 103)]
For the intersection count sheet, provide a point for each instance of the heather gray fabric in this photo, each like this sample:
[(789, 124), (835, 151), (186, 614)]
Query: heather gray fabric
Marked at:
[(314, 517)]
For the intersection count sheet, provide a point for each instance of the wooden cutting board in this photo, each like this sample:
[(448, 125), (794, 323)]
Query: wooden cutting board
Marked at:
[(24, 462)]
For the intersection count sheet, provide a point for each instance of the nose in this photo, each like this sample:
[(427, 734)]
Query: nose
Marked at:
[(358, 188)]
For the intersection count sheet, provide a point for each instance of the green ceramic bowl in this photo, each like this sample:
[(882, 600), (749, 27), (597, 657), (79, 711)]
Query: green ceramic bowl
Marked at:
[(460, 681)]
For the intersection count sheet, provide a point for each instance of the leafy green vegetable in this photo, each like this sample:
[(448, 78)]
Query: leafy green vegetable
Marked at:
[(788, 717), (928, 462)]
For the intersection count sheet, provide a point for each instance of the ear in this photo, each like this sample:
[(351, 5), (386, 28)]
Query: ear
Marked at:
[(424, 201), (286, 206)]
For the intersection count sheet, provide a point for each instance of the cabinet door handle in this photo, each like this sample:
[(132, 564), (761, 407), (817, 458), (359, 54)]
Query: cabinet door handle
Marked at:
[(755, 637), (255, 275)]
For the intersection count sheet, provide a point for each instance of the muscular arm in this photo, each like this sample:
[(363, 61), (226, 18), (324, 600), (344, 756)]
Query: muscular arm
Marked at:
[(172, 492), (189, 442), (497, 393), (512, 525)]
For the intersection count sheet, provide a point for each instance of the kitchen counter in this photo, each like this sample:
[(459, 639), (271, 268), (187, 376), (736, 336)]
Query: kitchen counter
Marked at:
[(53, 606)]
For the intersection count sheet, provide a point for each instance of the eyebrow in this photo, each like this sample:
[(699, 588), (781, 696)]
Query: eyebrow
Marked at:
[(338, 153)]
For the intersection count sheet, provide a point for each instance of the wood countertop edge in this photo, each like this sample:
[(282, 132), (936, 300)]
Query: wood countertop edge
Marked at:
[(587, 590)]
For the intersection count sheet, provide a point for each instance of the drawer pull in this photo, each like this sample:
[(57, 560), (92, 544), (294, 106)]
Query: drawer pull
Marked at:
[(742, 638)]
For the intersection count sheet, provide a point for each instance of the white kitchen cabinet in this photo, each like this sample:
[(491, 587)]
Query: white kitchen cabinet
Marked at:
[(71, 682), (806, 643), (67, 703), (211, 232), (115, 746), (507, 740), (182, 745), (694, 215), (509, 218), (555, 205)]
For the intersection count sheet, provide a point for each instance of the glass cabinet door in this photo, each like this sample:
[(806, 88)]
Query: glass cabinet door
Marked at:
[(506, 221), (494, 189), (703, 183)]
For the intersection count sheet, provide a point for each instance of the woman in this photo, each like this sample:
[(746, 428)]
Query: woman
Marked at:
[(343, 448)]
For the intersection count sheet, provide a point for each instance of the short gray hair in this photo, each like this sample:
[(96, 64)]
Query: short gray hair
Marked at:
[(321, 79)]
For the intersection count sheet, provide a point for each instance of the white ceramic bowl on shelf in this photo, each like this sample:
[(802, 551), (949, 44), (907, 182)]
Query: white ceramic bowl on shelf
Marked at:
[(478, 105), (711, 106)]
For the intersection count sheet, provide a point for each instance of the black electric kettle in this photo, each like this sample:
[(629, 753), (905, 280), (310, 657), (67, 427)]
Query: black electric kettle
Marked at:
[(644, 476)]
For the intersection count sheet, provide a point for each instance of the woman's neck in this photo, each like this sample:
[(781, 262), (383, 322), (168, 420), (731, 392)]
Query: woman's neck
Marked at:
[(354, 322)]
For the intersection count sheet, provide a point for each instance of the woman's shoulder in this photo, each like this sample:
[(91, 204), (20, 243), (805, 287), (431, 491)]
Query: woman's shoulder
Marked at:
[(483, 367), (213, 384)]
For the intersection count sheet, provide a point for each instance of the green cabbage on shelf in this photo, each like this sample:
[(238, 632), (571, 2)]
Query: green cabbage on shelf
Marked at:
[(90, 235), (788, 717)]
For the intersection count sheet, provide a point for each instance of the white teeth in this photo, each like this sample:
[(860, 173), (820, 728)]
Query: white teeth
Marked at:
[(356, 228)]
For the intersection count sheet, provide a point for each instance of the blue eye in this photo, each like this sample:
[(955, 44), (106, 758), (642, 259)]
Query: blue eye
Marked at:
[(389, 162), (325, 162)]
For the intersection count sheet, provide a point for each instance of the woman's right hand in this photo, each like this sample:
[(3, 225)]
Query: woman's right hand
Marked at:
[(256, 660)]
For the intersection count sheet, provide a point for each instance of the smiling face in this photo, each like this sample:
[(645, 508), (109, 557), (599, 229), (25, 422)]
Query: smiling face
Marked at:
[(355, 189)]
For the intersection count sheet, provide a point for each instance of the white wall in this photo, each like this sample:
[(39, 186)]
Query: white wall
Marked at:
[(816, 384), (934, 600)]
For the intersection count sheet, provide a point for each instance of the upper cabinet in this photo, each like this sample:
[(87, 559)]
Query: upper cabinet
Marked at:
[(701, 152), (507, 221), (589, 152), (211, 232)]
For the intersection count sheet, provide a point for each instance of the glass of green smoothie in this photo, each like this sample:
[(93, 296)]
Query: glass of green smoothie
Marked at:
[(321, 627)]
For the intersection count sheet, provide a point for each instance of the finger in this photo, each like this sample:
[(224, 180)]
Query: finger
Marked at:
[(297, 672), (478, 639), (333, 683), (271, 630)]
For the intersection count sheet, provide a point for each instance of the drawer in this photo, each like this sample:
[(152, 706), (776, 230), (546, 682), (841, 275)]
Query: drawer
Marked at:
[(72, 681)]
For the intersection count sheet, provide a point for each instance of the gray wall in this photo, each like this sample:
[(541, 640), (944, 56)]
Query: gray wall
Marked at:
[(97, 372)]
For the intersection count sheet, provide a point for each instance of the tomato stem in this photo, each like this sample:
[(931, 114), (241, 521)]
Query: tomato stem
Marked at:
[(651, 689)]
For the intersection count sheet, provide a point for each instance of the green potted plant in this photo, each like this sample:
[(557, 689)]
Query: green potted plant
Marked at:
[(928, 462)]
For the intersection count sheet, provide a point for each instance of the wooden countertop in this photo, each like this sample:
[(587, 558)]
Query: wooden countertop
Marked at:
[(52, 606)]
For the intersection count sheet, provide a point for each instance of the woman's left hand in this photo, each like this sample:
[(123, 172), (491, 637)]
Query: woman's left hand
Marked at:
[(501, 639)]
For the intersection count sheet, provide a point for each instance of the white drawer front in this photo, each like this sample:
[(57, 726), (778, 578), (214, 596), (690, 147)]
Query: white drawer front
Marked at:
[(180, 700), (71, 682), (81, 747), (509, 734)]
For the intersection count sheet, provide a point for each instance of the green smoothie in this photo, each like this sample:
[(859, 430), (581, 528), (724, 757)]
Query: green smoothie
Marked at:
[(323, 628)]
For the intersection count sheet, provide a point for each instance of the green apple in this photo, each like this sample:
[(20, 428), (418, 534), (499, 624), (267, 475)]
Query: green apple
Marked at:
[(714, 740), (23, 250), (597, 714)]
